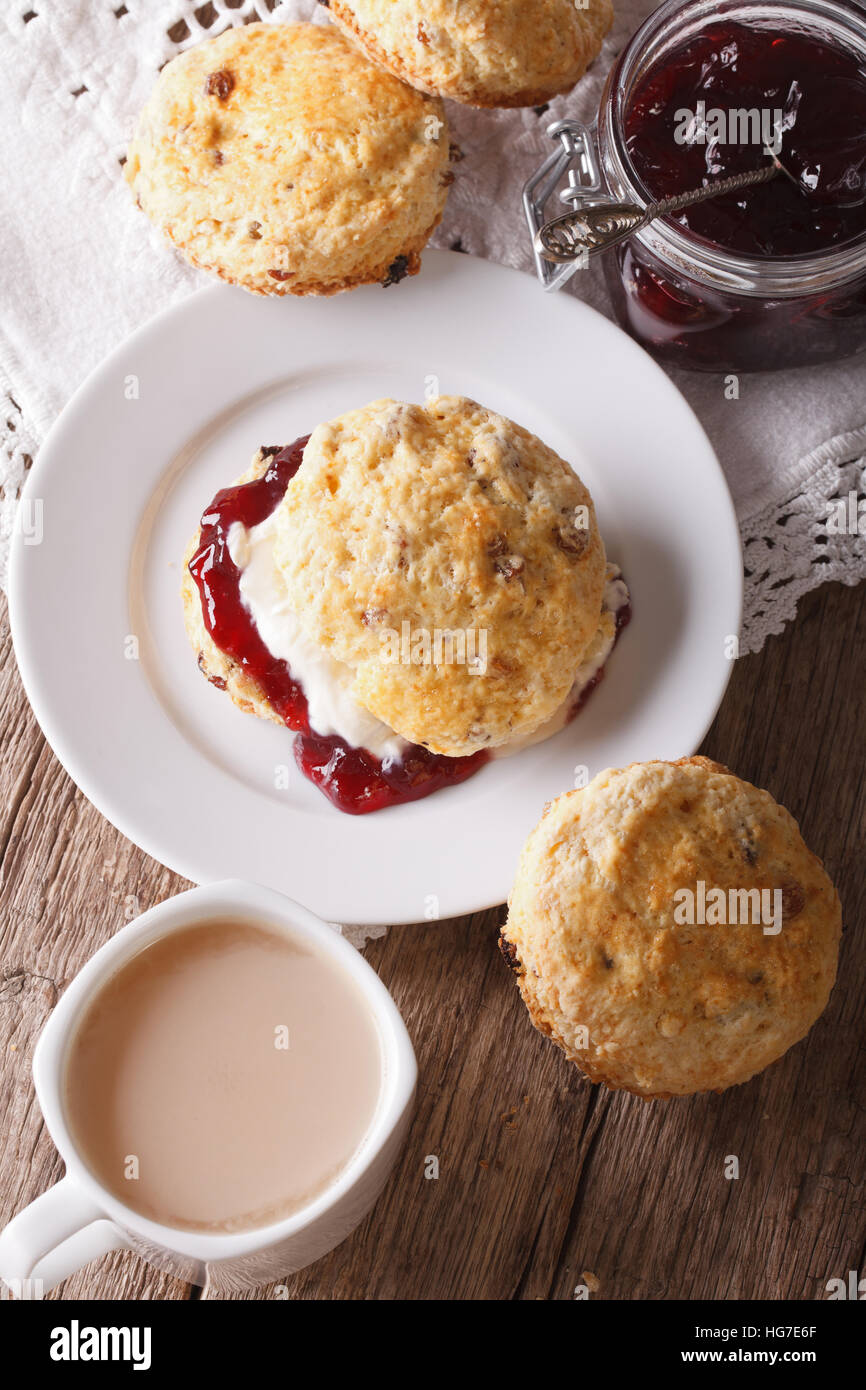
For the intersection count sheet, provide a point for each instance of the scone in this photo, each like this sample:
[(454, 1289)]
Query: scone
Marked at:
[(277, 157), (670, 930), (434, 519), (511, 53), (411, 589)]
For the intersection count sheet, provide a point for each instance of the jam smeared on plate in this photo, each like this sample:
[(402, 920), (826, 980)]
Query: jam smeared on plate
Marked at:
[(356, 781), (820, 89), (352, 778)]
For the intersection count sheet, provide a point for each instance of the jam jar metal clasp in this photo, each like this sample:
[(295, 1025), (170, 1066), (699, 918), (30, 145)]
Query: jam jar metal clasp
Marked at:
[(576, 158), (595, 224)]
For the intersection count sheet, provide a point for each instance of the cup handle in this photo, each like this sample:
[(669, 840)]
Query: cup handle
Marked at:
[(56, 1235)]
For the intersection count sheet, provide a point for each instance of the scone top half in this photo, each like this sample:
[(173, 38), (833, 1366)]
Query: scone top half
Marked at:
[(607, 961), (482, 52), (407, 523), (279, 158)]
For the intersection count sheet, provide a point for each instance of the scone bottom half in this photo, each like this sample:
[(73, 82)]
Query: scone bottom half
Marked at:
[(669, 930), (425, 566), (280, 159)]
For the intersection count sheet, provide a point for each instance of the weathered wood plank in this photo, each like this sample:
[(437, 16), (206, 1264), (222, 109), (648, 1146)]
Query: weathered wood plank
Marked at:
[(541, 1176), (67, 883), (635, 1195)]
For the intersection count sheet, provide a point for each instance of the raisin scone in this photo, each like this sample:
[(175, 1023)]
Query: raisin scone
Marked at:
[(411, 590), (443, 518), (512, 53), (277, 157), (670, 930)]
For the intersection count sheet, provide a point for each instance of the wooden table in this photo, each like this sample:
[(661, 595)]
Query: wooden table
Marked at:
[(544, 1181)]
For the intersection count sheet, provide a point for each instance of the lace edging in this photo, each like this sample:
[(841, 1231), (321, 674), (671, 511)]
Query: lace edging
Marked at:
[(812, 536)]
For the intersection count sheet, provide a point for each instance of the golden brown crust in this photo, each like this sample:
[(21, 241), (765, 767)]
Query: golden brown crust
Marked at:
[(522, 53), (279, 159), (443, 519), (607, 961), (377, 275)]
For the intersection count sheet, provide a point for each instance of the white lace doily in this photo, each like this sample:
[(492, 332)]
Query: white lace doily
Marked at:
[(81, 269), (815, 534)]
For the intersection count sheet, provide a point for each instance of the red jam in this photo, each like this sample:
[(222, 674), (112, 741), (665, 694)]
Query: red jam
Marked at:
[(352, 778), (357, 782), (218, 579), (820, 92), (777, 274)]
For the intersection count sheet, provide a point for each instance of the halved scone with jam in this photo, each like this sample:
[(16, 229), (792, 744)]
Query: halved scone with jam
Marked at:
[(412, 589)]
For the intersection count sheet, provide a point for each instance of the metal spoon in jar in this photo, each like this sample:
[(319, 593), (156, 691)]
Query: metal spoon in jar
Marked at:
[(599, 226)]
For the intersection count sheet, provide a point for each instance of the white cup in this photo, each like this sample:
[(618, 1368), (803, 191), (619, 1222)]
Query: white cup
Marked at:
[(79, 1219)]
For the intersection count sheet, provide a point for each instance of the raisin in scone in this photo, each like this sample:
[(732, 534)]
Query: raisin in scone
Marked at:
[(512, 53), (279, 158), (434, 519), (614, 936)]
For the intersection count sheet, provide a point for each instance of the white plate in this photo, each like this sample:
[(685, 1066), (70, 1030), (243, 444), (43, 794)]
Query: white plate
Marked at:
[(123, 479)]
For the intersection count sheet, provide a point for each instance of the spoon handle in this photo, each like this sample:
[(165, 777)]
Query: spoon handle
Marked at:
[(597, 227), (665, 206)]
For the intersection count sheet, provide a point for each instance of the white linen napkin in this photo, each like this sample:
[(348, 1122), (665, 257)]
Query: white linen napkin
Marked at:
[(81, 268)]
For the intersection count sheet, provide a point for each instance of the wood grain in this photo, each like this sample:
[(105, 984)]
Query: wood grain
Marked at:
[(542, 1179)]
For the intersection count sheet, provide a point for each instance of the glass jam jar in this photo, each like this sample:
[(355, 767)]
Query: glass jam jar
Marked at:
[(701, 304)]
